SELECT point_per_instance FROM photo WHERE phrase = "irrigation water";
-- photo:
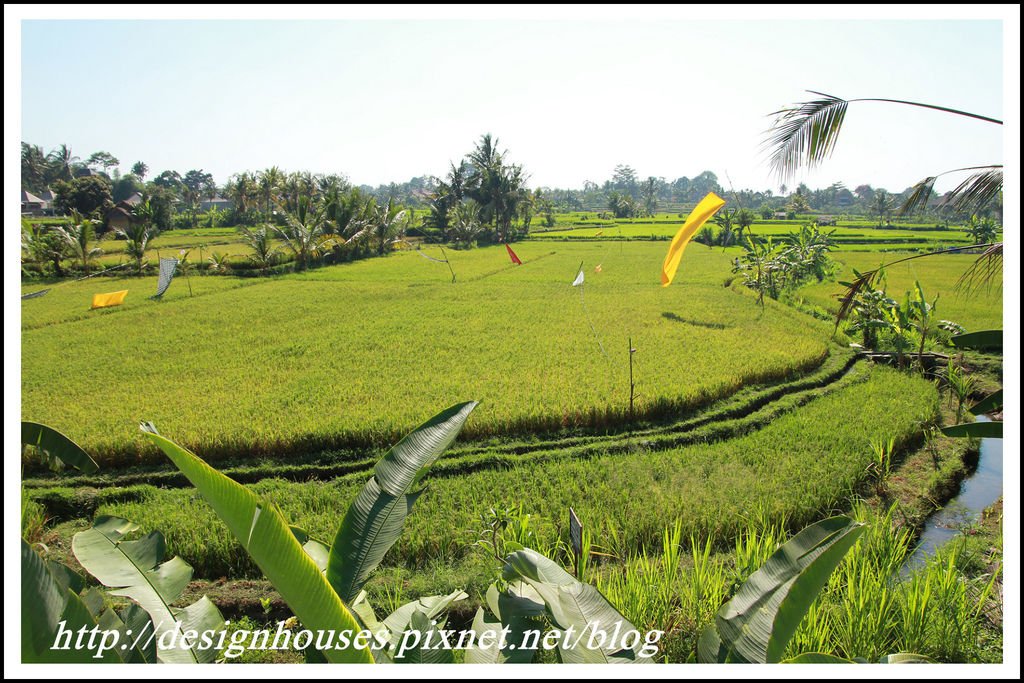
(982, 488)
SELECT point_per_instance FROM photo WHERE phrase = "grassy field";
(361, 353)
(981, 309)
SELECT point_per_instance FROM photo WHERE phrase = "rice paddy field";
(296, 384)
(852, 236)
(359, 354)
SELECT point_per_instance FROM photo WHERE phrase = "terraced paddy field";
(357, 355)
(792, 450)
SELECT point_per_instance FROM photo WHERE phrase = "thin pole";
(632, 385)
(449, 264)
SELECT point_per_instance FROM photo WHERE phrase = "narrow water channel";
(979, 490)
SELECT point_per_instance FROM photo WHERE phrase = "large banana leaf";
(262, 530)
(817, 658)
(134, 570)
(431, 606)
(993, 401)
(981, 430)
(375, 519)
(518, 609)
(991, 340)
(576, 606)
(56, 445)
(429, 648)
(130, 624)
(757, 624)
(45, 604)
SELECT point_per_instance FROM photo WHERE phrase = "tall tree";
(33, 168)
(304, 230)
(89, 195)
(882, 205)
(104, 160)
(270, 182)
(80, 238)
(140, 230)
(139, 170)
(62, 163)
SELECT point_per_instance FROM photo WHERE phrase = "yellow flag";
(700, 214)
(111, 299)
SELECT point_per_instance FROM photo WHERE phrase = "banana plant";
(760, 620)
(133, 569)
(323, 596)
(587, 628)
(56, 448)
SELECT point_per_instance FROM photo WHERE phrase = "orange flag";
(111, 299)
(512, 255)
(700, 214)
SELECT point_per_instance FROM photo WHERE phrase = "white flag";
(579, 279)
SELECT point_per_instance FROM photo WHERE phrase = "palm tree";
(80, 239)
(650, 195)
(726, 219)
(304, 230)
(240, 192)
(466, 226)
(385, 228)
(141, 229)
(882, 205)
(40, 245)
(744, 219)
(62, 163)
(269, 184)
(33, 167)
(139, 170)
(259, 240)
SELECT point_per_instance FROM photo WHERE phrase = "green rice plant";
(704, 588)
(959, 385)
(757, 540)
(864, 624)
(916, 606)
(33, 520)
(956, 610)
(816, 632)
(882, 450)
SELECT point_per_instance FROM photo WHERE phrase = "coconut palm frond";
(986, 270)
(919, 196)
(853, 289)
(922, 191)
(977, 191)
(805, 134)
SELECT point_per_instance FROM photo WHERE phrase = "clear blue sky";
(383, 101)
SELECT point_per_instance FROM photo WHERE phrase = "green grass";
(359, 354)
(980, 310)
